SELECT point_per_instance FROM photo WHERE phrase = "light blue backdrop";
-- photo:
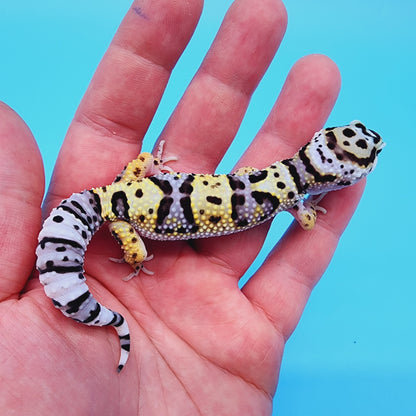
(354, 349)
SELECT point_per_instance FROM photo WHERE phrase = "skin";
(199, 344)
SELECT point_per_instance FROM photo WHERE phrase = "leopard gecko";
(150, 200)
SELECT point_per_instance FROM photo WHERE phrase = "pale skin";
(200, 345)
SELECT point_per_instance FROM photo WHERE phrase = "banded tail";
(60, 258)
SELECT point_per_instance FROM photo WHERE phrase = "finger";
(301, 109)
(210, 112)
(22, 186)
(124, 94)
(283, 284)
(303, 106)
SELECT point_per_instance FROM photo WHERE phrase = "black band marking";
(74, 305)
(163, 185)
(93, 314)
(295, 176)
(51, 267)
(235, 183)
(187, 209)
(262, 197)
(310, 169)
(57, 240)
(186, 187)
(79, 217)
(164, 209)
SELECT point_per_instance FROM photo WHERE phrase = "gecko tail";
(63, 242)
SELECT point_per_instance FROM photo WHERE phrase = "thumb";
(22, 187)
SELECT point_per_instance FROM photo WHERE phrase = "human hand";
(199, 343)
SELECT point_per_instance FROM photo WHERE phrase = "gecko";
(148, 199)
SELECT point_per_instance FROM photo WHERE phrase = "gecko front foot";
(305, 212)
(137, 270)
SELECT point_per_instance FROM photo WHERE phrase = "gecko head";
(356, 143)
(344, 155)
(356, 149)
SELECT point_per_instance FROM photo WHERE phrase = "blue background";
(354, 349)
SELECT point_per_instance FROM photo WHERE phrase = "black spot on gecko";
(139, 193)
(214, 200)
(348, 132)
(281, 185)
(214, 219)
(120, 206)
(58, 218)
(362, 144)
(331, 139)
(257, 176)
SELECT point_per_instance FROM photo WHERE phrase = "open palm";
(200, 345)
